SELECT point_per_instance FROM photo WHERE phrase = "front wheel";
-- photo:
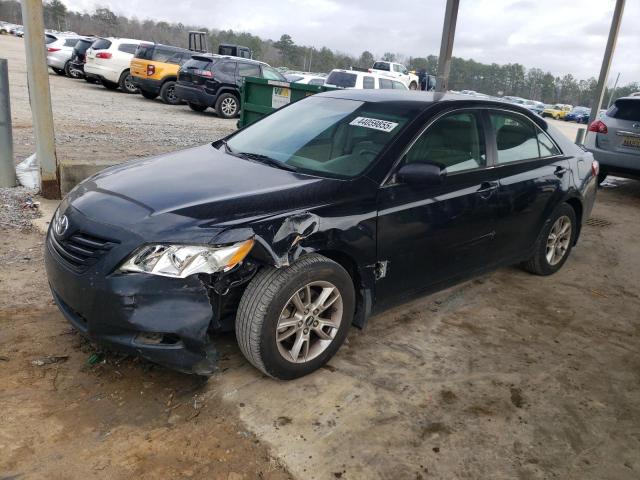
(554, 243)
(292, 320)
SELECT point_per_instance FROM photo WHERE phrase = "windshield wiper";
(266, 160)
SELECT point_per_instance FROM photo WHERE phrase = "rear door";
(434, 234)
(533, 176)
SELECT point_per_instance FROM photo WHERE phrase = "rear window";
(144, 51)
(101, 44)
(49, 38)
(197, 64)
(342, 79)
(382, 66)
(625, 110)
(83, 45)
(128, 48)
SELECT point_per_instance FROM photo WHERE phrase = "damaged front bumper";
(164, 320)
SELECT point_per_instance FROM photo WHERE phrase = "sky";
(561, 36)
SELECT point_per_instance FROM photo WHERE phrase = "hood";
(202, 186)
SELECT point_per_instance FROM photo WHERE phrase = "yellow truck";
(557, 111)
(154, 69)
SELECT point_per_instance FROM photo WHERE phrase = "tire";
(413, 86)
(58, 71)
(227, 105)
(68, 72)
(109, 85)
(539, 262)
(602, 175)
(270, 294)
(168, 93)
(197, 108)
(126, 83)
(149, 95)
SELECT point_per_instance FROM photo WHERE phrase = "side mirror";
(421, 174)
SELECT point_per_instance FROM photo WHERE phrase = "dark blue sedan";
(309, 221)
(578, 114)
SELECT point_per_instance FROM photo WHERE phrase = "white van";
(362, 80)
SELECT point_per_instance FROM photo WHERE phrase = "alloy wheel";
(309, 322)
(229, 107)
(558, 240)
(171, 94)
(129, 85)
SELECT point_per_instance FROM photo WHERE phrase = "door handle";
(486, 189)
(560, 171)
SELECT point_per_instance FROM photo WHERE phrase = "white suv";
(361, 80)
(60, 51)
(108, 59)
(398, 71)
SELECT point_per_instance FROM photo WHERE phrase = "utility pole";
(40, 97)
(446, 45)
(606, 61)
(7, 168)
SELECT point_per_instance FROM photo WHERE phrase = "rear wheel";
(197, 107)
(227, 105)
(554, 243)
(292, 320)
(126, 83)
(59, 71)
(147, 94)
(168, 93)
(71, 72)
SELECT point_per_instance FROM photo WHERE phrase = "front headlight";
(180, 261)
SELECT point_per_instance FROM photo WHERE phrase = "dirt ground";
(506, 376)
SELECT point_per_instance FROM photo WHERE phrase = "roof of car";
(211, 56)
(425, 98)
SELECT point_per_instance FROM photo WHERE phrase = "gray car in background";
(59, 51)
(614, 139)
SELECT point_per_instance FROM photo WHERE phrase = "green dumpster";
(260, 96)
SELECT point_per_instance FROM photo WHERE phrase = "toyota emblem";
(60, 224)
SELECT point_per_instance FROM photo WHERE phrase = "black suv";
(215, 80)
(75, 67)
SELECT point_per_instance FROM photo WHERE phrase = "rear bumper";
(613, 161)
(101, 73)
(164, 320)
(147, 84)
(195, 95)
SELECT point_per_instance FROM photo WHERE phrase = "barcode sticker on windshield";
(374, 123)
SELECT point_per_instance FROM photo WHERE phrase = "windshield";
(325, 136)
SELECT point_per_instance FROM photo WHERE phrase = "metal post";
(7, 168)
(613, 92)
(446, 45)
(40, 97)
(606, 61)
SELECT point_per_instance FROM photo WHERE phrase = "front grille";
(80, 250)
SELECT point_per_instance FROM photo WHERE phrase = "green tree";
(366, 59)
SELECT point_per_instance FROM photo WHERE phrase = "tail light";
(598, 127)
(52, 49)
(595, 168)
(151, 70)
(369, 70)
(203, 73)
(103, 55)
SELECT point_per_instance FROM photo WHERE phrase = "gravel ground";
(18, 208)
(91, 121)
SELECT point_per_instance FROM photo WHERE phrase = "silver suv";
(614, 139)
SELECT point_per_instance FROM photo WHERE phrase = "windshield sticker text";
(382, 125)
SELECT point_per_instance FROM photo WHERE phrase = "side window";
(368, 82)
(176, 59)
(396, 68)
(547, 147)
(227, 68)
(320, 81)
(128, 48)
(516, 138)
(398, 85)
(455, 143)
(248, 70)
(385, 83)
(272, 74)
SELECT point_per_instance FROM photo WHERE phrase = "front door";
(431, 234)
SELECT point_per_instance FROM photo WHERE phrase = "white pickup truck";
(398, 71)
